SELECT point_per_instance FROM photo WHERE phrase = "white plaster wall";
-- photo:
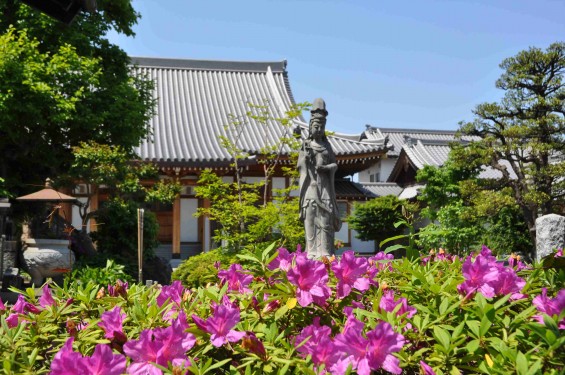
(386, 168)
(76, 220)
(278, 183)
(188, 223)
(364, 175)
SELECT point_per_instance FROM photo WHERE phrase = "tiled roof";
(435, 153)
(196, 99)
(425, 152)
(345, 189)
(381, 189)
(397, 137)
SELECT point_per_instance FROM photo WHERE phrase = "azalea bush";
(285, 313)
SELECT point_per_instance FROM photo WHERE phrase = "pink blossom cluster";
(485, 275)
(351, 348)
(310, 276)
(550, 306)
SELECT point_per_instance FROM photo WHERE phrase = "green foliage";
(451, 332)
(465, 212)
(91, 270)
(98, 164)
(3, 192)
(476, 335)
(376, 219)
(247, 214)
(64, 84)
(116, 230)
(199, 270)
(525, 129)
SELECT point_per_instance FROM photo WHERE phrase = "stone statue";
(317, 167)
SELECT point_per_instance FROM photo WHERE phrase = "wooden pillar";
(176, 228)
(93, 207)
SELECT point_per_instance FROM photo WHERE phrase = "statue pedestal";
(47, 258)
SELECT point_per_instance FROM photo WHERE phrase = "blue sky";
(406, 64)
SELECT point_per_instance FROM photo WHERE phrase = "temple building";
(197, 100)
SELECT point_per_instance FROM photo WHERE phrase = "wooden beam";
(176, 228)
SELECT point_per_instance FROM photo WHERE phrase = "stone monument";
(550, 235)
(317, 167)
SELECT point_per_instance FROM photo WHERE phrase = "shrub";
(285, 313)
(116, 222)
(200, 269)
(93, 271)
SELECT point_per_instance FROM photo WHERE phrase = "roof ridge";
(218, 65)
(404, 130)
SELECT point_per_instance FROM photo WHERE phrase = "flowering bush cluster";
(280, 312)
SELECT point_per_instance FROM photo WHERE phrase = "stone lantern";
(45, 256)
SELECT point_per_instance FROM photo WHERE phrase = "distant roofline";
(403, 130)
(216, 65)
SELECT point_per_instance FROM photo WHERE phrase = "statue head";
(318, 119)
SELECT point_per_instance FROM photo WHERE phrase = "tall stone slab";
(550, 234)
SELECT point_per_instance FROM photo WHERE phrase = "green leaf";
(485, 326)
(443, 337)
(281, 311)
(473, 345)
(521, 364)
(474, 327)
(444, 305)
(267, 251)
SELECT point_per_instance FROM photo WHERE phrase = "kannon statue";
(317, 167)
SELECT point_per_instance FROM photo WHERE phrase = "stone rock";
(47, 258)
(550, 234)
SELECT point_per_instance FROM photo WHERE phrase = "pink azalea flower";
(220, 325)
(46, 298)
(478, 275)
(236, 279)
(353, 348)
(388, 303)
(13, 320)
(550, 306)
(2, 306)
(350, 272)
(23, 307)
(66, 361)
(312, 334)
(282, 261)
(172, 293)
(111, 322)
(311, 278)
(426, 369)
(508, 282)
(381, 261)
(559, 253)
(102, 362)
(489, 277)
(382, 342)
(160, 346)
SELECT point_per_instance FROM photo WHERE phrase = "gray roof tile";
(381, 189)
(195, 102)
(397, 137)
